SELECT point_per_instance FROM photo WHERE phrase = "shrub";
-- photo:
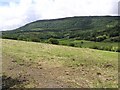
(108, 48)
(101, 48)
(118, 49)
(82, 42)
(94, 47)
(100, 38)
(35, 40)
(72, 44)
(80, 46)
(53, 41)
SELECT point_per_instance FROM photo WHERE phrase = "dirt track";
(38, 75)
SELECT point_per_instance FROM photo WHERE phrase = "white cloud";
(20, 12)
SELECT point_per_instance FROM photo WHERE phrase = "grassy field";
(107, 46)
(33, 64)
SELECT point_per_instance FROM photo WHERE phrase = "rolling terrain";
(38, 65)
(30, 60)
(91, 28)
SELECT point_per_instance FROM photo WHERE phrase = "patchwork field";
(30, 64)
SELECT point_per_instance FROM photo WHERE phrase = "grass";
(97, 68)
(90, 44)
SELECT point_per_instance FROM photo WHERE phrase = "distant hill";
(93, 28)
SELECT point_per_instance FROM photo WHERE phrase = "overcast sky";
(16, 13)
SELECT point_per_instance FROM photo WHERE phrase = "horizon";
(26, 11)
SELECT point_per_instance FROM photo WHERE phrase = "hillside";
(92, 28)
(38, 65)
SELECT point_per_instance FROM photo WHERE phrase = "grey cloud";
(119, 8)
(31, 15)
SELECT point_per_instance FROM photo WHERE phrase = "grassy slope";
(83, 28)
(94, 67)
(88, 43)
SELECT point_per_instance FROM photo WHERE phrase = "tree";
(53, 41)
(100, 38)
(72, 44)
